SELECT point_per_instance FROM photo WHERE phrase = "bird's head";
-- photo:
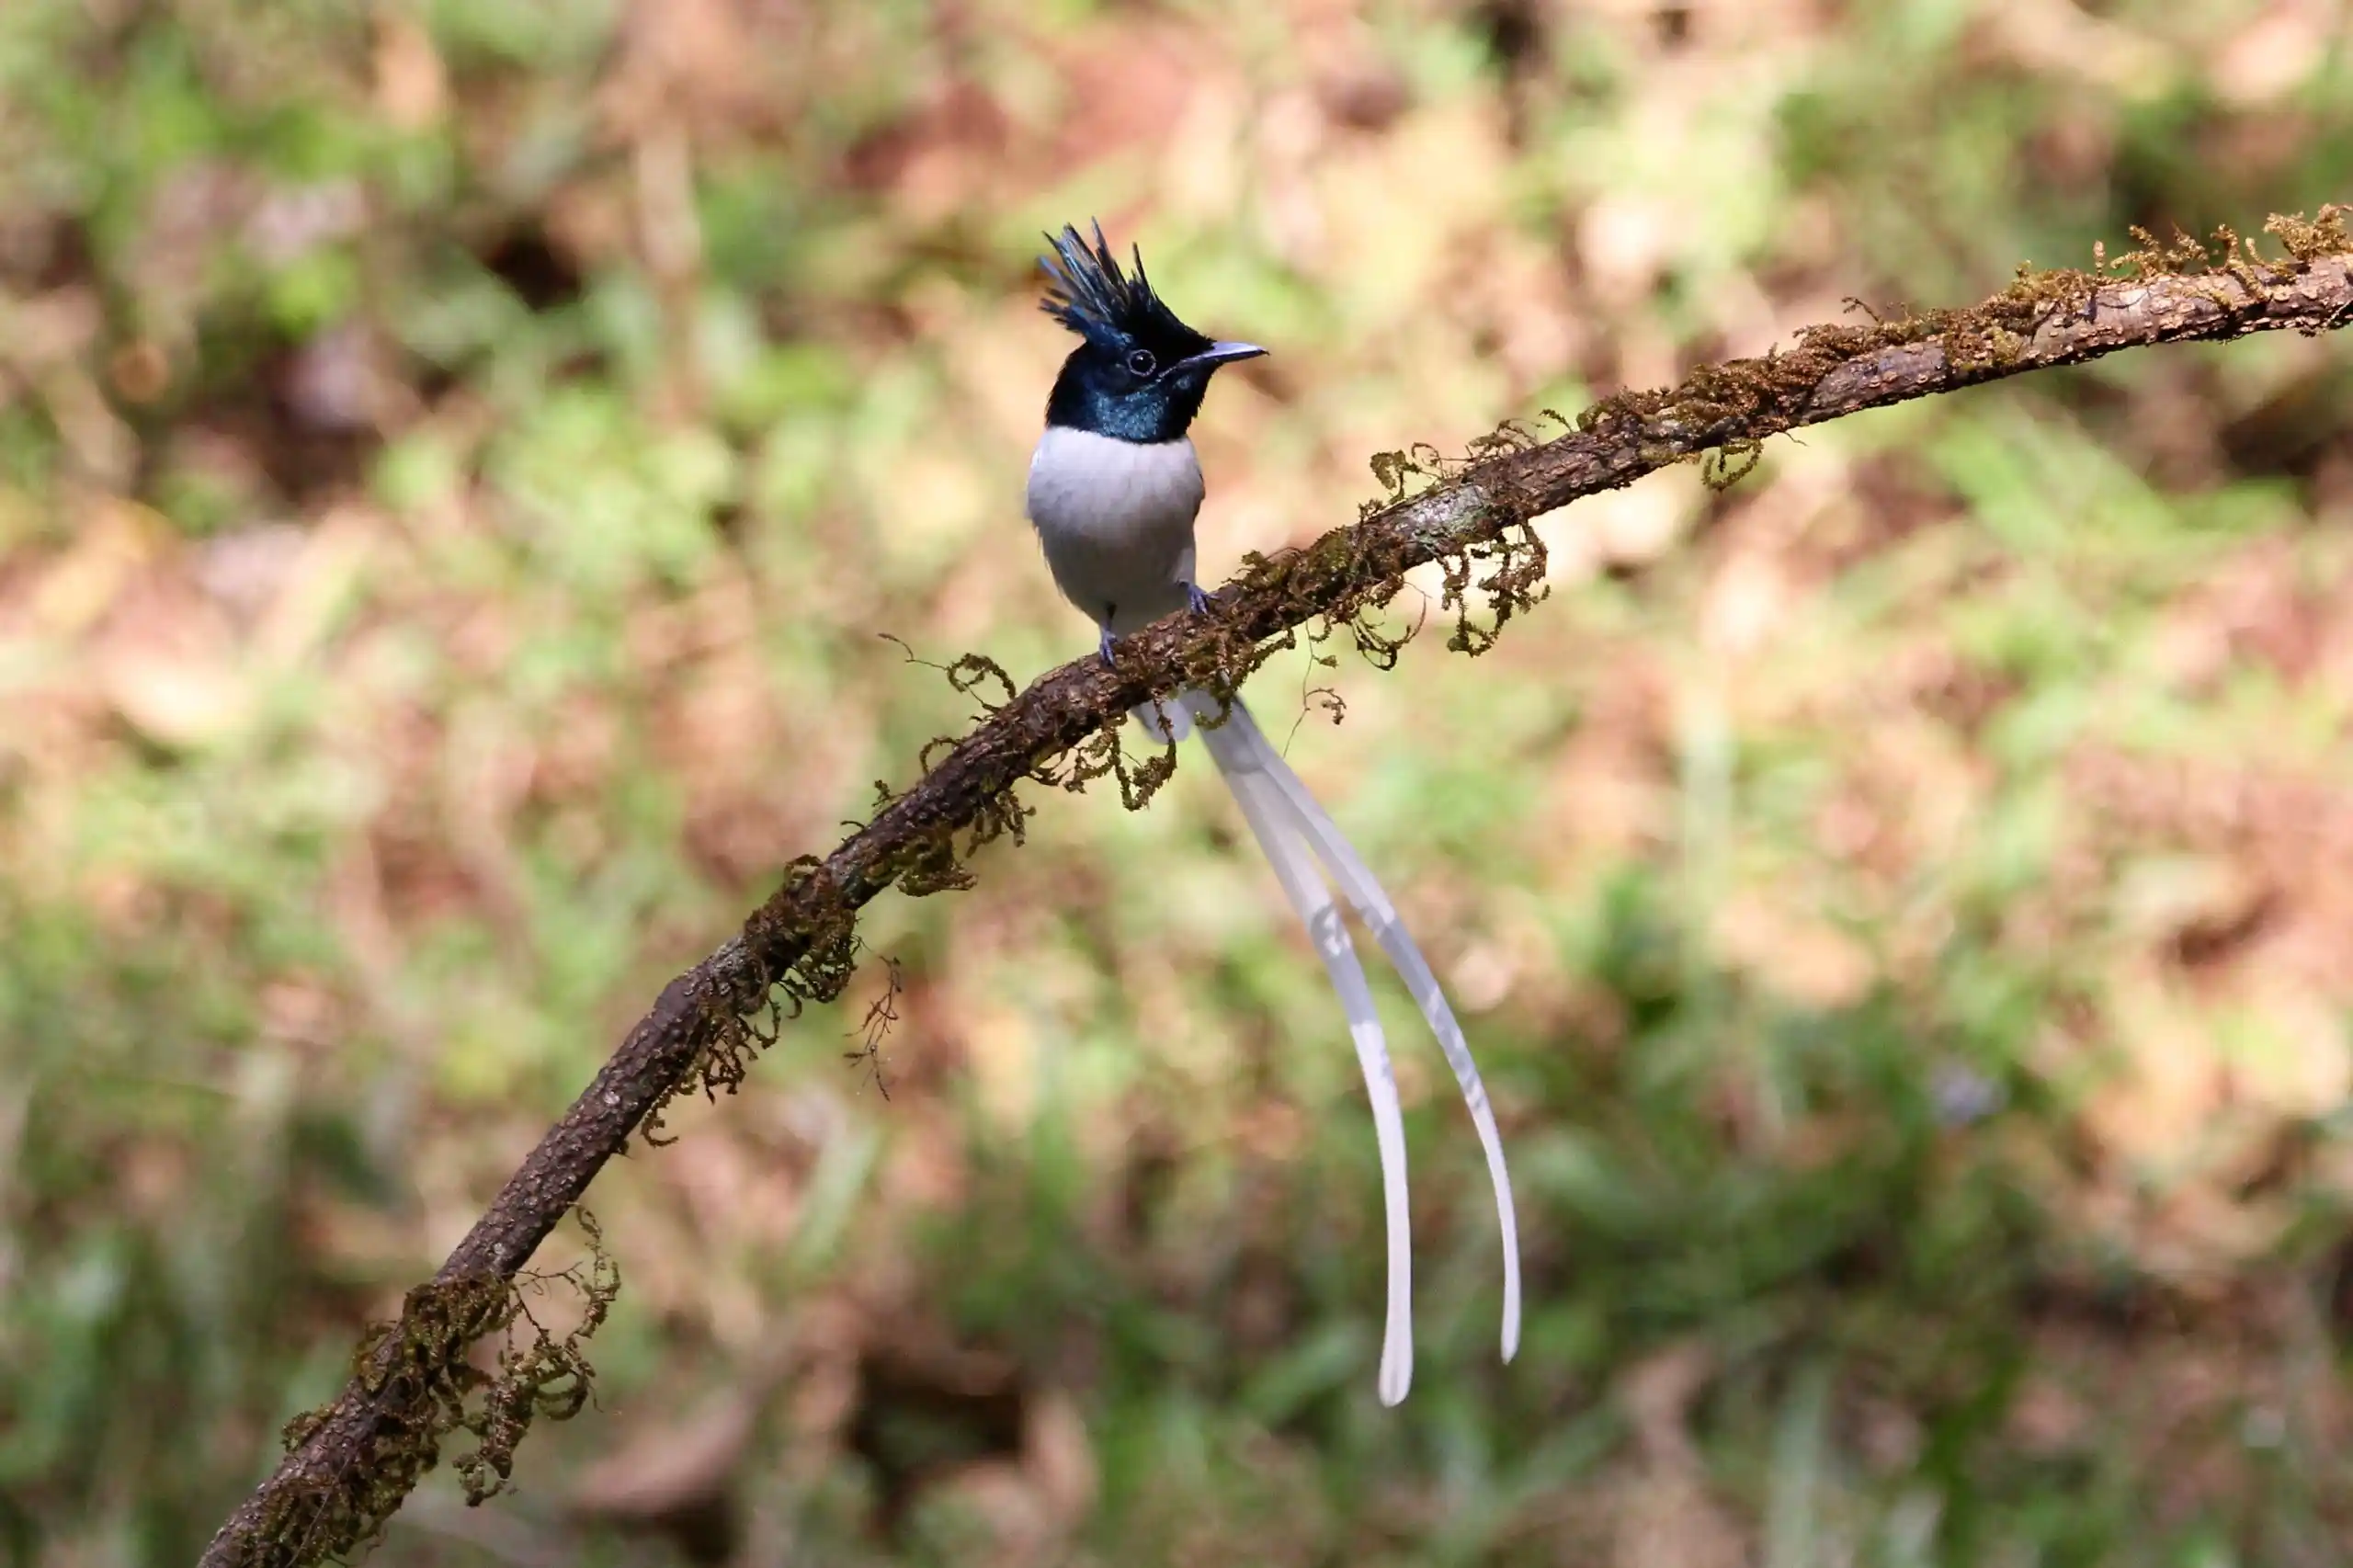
(1140, 373)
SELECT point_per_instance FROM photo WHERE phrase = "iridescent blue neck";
(1100, 398)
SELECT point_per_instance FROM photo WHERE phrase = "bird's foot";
(1199, 600)
(1104, 649)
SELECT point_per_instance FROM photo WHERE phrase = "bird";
(1114, 488)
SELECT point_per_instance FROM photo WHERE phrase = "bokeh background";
(459, 460)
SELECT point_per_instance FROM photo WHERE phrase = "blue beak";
(1216, 354)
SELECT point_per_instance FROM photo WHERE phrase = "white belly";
(1116, 521)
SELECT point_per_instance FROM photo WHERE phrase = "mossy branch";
(348, 1465)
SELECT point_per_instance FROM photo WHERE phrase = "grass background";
(458, 459)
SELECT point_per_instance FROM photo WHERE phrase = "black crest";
(1086, 292)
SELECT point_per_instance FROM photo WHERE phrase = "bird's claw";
(1197, 601)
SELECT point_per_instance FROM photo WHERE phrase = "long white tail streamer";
(1296, 833)
(1288, 852)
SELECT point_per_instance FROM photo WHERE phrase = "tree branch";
(350, 1465)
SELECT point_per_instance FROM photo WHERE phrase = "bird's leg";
(1199, 600)
(1104, 647)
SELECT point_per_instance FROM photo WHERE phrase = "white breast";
(1116, 521)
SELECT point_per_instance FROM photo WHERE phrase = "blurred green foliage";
(455, 462)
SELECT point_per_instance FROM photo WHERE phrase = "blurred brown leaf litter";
(454, 463)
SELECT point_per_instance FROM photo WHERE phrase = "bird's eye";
(1142, 363)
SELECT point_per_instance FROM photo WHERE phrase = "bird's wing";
(1242, 750)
